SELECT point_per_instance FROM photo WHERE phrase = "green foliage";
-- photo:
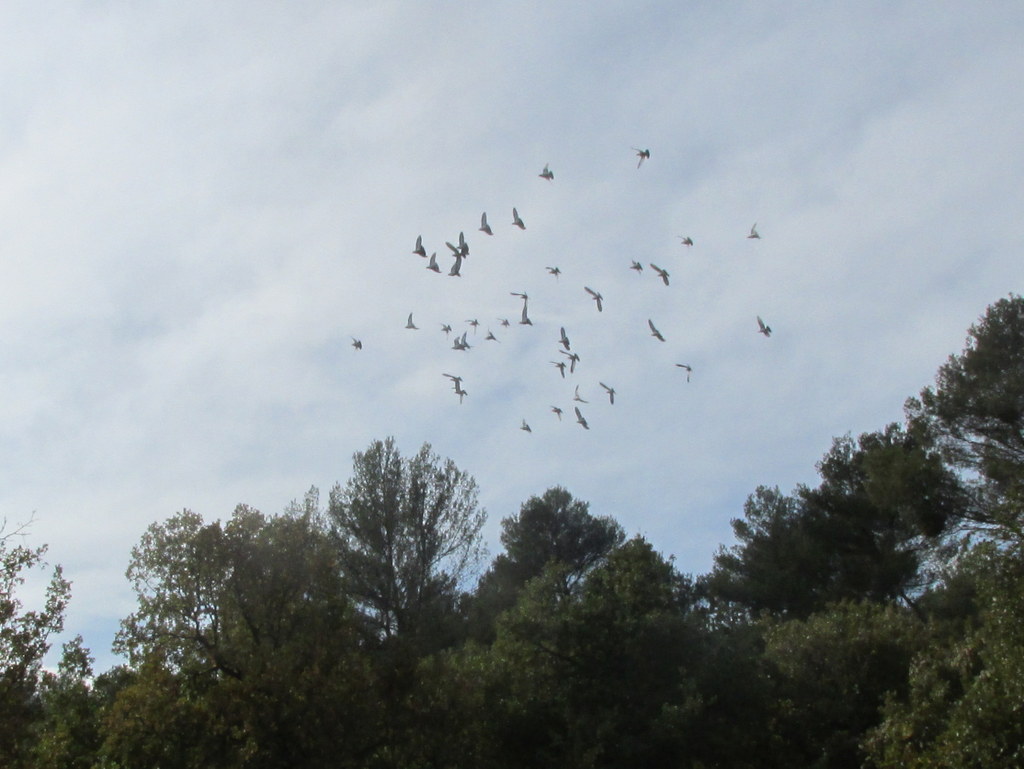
(24, 641)
(966, 702)
(553, 529)
(975, 412)
(407, 532)
(861, 534)
(69, 730)
(831, 674)
(245, 648)
(595, 677)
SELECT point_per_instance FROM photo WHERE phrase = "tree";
(597, 677)
(964, 708)
(974, 414)
(245, 649)
(407, 532)
(862, 533)
(550, 529)
(24, 641)
(777, 563)
(830, 675)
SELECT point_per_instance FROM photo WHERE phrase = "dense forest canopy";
(875, 619)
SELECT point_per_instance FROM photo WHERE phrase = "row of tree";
(876, 619)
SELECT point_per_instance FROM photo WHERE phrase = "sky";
(201, 205)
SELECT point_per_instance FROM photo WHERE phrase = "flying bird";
(525, 427)
(762, 328)
(504, 322)
(560, 364)
(687, 240)
(576, 396)
(610, 391)
(564, 341)
(357, 343)
(663, 274)
(457, 381)
(557, 412)
(688, 368)
(432, 265)
(484, 226)
(491, 337)
(596, 296)
(546, 173)
(753, 232)
(463, 245)
(654, 332)
(446, 329)
(420, 250)
(580, 419)
(461, 343)
(410, 324)
(574, 358)
(642, 154)
(456, 270)
(525, 321)
(637, 266)
(474, 323)
(554, 271)
(516, 220)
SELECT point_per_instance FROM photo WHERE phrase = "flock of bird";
(460, 252)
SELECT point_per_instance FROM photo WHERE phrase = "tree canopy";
(24, 640)
(874, 619)
(407, 531)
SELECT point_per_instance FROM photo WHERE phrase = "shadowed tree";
(407, 531)
(550, 529)
(245, 649)
(597, 677)
(964, 707)
(974, 414)
(862, 533)
(68, 735)
(830, 675)
(24, 641)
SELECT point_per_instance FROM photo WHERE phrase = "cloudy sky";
(202, 204)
